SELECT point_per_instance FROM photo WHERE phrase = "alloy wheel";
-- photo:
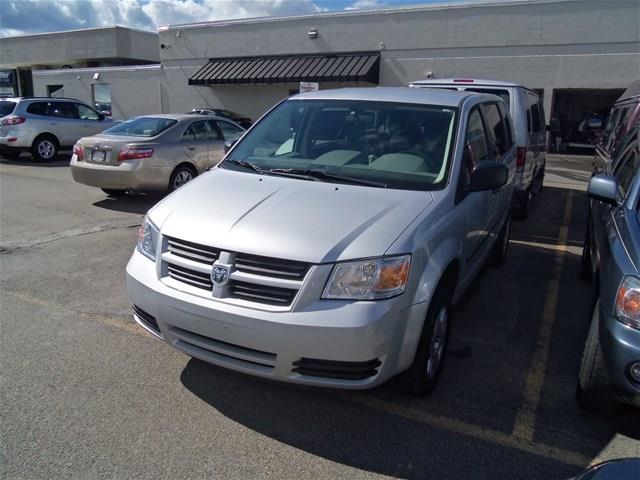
(438, 342)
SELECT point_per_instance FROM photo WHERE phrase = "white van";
(527, 112)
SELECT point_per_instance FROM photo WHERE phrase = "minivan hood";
(288, 218)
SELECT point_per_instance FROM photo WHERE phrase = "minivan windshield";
(141, 127)
(382, 144)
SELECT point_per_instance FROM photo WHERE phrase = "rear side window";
(38, 108)
(198, 131)
(496, 129)
(6, 107)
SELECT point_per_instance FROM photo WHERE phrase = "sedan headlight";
(147, 239)
(371, 279)
(627, 308)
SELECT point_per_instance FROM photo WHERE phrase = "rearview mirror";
(488, 175)
(603, 188)
(229, 144)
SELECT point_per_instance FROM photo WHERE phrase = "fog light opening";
(634, 371)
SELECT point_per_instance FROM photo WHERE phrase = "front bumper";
(271, 344)
(620, 348)
(129, 175)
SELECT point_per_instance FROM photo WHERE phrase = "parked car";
(328, 247)
(610, 367)
(44, 125)
(154, 152)
(624, 114)
(221, 112)
(527, 112)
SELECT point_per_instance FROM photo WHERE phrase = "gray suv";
(43, 125)
(330, 244)
(610, 367)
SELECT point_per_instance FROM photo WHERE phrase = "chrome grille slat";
(263, 280)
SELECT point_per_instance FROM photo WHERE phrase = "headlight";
(627, 308)
(368, 279)
(147, 239)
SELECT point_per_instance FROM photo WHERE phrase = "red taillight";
(134, 153)
(13, 120)
(463, 80)
(521, 156)
(78, 151)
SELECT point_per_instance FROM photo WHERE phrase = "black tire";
(112, 192)
(540, 180)
(501, 247)
(422, 376)
(586, 270)
(45, 148)
(523, 204)
(181, 175)
(593, 391)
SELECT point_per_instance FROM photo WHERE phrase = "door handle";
(191, 148)
(53, 123)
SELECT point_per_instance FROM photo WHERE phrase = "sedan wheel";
(181, 176)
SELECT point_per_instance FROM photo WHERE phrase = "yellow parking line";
(470, 430)
(550, 246)
(524, 425)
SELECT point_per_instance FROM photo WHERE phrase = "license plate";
(98, 156)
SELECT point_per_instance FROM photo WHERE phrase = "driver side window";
(475, 143)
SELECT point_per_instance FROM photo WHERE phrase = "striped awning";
(343, 68)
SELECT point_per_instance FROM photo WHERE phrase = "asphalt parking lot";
(87, 394)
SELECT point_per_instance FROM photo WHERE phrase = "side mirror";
(488, 175)
(603, 188)
(228, 144)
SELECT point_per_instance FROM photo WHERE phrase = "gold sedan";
(152, 153)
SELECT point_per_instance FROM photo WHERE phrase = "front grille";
(223, 351)
(314, 367)
(271, 267)
(253, 278)
(146, 318)
(193, 251)
(261, 293)
(191, 277)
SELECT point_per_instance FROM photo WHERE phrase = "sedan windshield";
(141, 127)
(382, 144)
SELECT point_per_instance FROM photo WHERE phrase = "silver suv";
(44, 125)
(329, 245)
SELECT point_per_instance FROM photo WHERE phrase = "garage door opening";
(578, 117)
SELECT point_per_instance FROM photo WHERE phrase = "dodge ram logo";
(220, 275)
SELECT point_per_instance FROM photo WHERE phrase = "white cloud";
(366, 5)
(35, 16)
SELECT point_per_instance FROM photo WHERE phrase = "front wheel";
(593, 391)
(499, 250)
(586, 271)
(523, 204)
(423, 374)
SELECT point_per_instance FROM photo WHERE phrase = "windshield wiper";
(245, 164)
(322, 175)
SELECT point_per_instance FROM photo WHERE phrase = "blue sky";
(19, 17)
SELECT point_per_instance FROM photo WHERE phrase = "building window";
(102, 97)
(55, 90)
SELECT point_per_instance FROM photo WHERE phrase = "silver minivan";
(330, 244)
(527, 112)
